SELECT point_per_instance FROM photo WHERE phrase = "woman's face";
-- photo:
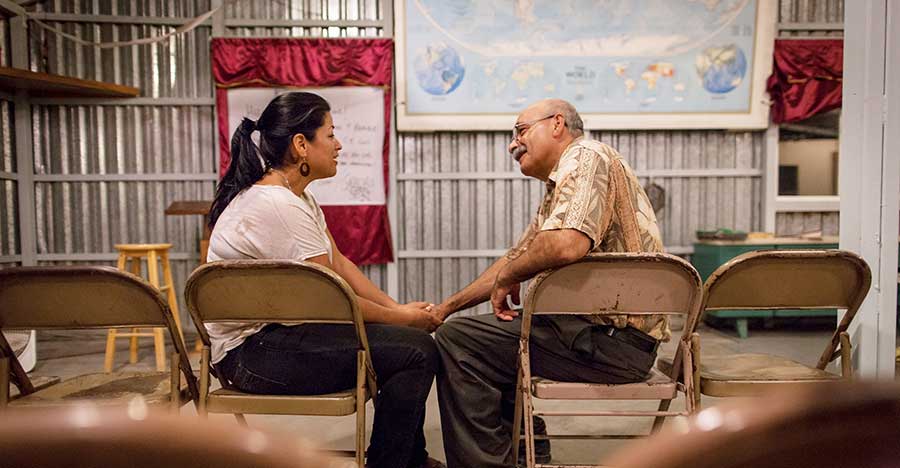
(322, 152)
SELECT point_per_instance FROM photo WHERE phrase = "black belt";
(634, 337)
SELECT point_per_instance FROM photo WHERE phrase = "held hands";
(420, 315)
(498, 300)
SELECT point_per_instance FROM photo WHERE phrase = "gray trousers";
(477, 380)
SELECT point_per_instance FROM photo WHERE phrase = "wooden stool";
(154, 253)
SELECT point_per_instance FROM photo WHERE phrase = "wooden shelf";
(47, 85)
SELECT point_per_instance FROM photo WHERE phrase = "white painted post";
(870, 173)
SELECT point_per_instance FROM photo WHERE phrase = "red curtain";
(806, 78)
(362, 233)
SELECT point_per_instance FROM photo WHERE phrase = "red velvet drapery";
(362, 233)
(806, 78)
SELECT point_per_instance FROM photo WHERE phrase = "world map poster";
(475, 64)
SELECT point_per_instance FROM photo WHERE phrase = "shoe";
(541, 446)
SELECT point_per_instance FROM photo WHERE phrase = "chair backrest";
(792, 279)
(283, 291)
(85, 436)
(839, 425)
(620, 283)
(79, 297)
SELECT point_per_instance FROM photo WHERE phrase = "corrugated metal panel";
(792, 224)
(7, 154)
(332, 10)
(178, 67)
(4, 42)
(491, 214)
(90, 217)
(328, 10)
(9, 230)
(123, 139)
(168, 8)
(811, 11)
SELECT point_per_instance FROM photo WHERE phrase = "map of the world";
(612, 56)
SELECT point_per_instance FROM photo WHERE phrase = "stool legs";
(133, 342)
(154, 256)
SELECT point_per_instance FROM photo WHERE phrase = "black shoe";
(541, 446)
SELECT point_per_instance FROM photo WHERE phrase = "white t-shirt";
(264, 222)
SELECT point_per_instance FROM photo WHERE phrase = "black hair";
(284, 117)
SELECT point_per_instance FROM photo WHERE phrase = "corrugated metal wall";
(443, 204)
(9, 229)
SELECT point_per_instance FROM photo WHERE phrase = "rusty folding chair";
(282, 291)
(610, 284)
(82, 298)
(783, 279)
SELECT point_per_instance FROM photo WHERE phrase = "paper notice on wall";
(358, 114)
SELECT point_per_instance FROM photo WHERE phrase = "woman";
(263, 210)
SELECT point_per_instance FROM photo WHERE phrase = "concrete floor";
(71, 353)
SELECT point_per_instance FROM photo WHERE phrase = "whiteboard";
(358, 114)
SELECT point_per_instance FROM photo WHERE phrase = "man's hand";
(420, 315)
(498, 300)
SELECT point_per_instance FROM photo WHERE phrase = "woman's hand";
(419, 315)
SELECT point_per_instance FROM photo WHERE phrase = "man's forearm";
(550, 249)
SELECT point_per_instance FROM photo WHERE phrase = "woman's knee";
(414, 347)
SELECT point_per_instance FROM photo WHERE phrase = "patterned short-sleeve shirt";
(578, 192)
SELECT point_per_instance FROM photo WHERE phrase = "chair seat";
(752, 374)
(105, 390)
(332, 404)
(657, 387)
(141, 247)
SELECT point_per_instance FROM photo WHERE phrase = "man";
(580, 214)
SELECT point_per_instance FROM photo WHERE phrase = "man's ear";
(559, 125)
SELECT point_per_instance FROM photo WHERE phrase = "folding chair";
(282, 291)
(783, 279)
(850, 424)
(82, 298)
(610, 284)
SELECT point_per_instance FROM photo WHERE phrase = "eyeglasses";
(520, 129)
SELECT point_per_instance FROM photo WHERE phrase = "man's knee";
(448, 335)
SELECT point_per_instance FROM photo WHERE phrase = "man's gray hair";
(573, 120)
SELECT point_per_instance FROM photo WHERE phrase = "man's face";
(532, 141)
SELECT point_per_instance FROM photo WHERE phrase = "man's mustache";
(519, 151)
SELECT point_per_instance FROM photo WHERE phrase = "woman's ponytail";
(244, 170)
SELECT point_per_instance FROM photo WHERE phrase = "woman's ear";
(299, 146)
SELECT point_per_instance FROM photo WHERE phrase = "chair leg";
(659, 420)
(241, 419)
(110, 350)
(695, 366)
(360, 408)
(175, 384)
(204, 383)
(517, 418)
(4, 382)
(527, 408)
(846, 359)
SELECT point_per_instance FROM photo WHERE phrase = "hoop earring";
(304, 169)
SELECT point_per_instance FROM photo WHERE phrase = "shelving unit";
(49, 85)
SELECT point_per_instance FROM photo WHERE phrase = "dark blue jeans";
(313, 359)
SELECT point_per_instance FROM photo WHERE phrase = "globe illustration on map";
(439, 69)
(721, 68)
